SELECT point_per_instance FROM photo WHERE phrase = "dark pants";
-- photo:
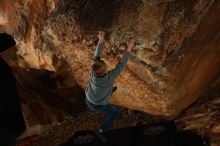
(112, 112)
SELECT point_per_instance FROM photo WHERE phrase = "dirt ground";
(87, 120)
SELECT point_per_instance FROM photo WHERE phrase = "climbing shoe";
(101, 135)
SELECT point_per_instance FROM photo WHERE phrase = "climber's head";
(99, 67)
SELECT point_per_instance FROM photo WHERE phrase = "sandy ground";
(88, 120)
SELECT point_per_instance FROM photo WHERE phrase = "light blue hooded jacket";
(100, 89)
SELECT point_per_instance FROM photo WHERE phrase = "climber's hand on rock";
(101, 36)
(130, 44)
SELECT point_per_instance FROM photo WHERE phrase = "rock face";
(175, 61)
(203, 116)
(47, 97)
(165, 73)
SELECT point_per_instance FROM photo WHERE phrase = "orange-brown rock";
(181, 60)
(176, 58)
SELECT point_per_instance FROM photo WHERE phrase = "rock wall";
(24, 20)
(48, 90)
(203, 116)
(198, 70)
(176, 58)
(167, 38)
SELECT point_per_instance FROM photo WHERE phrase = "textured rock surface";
(168, 37)
(203, 116)
(48, 97)
(45, 102)
(24, 19)
(176, 58)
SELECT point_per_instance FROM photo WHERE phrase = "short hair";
(6, 42)
(99, 66)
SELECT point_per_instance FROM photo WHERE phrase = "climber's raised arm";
(99, 46)
(121, 65)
